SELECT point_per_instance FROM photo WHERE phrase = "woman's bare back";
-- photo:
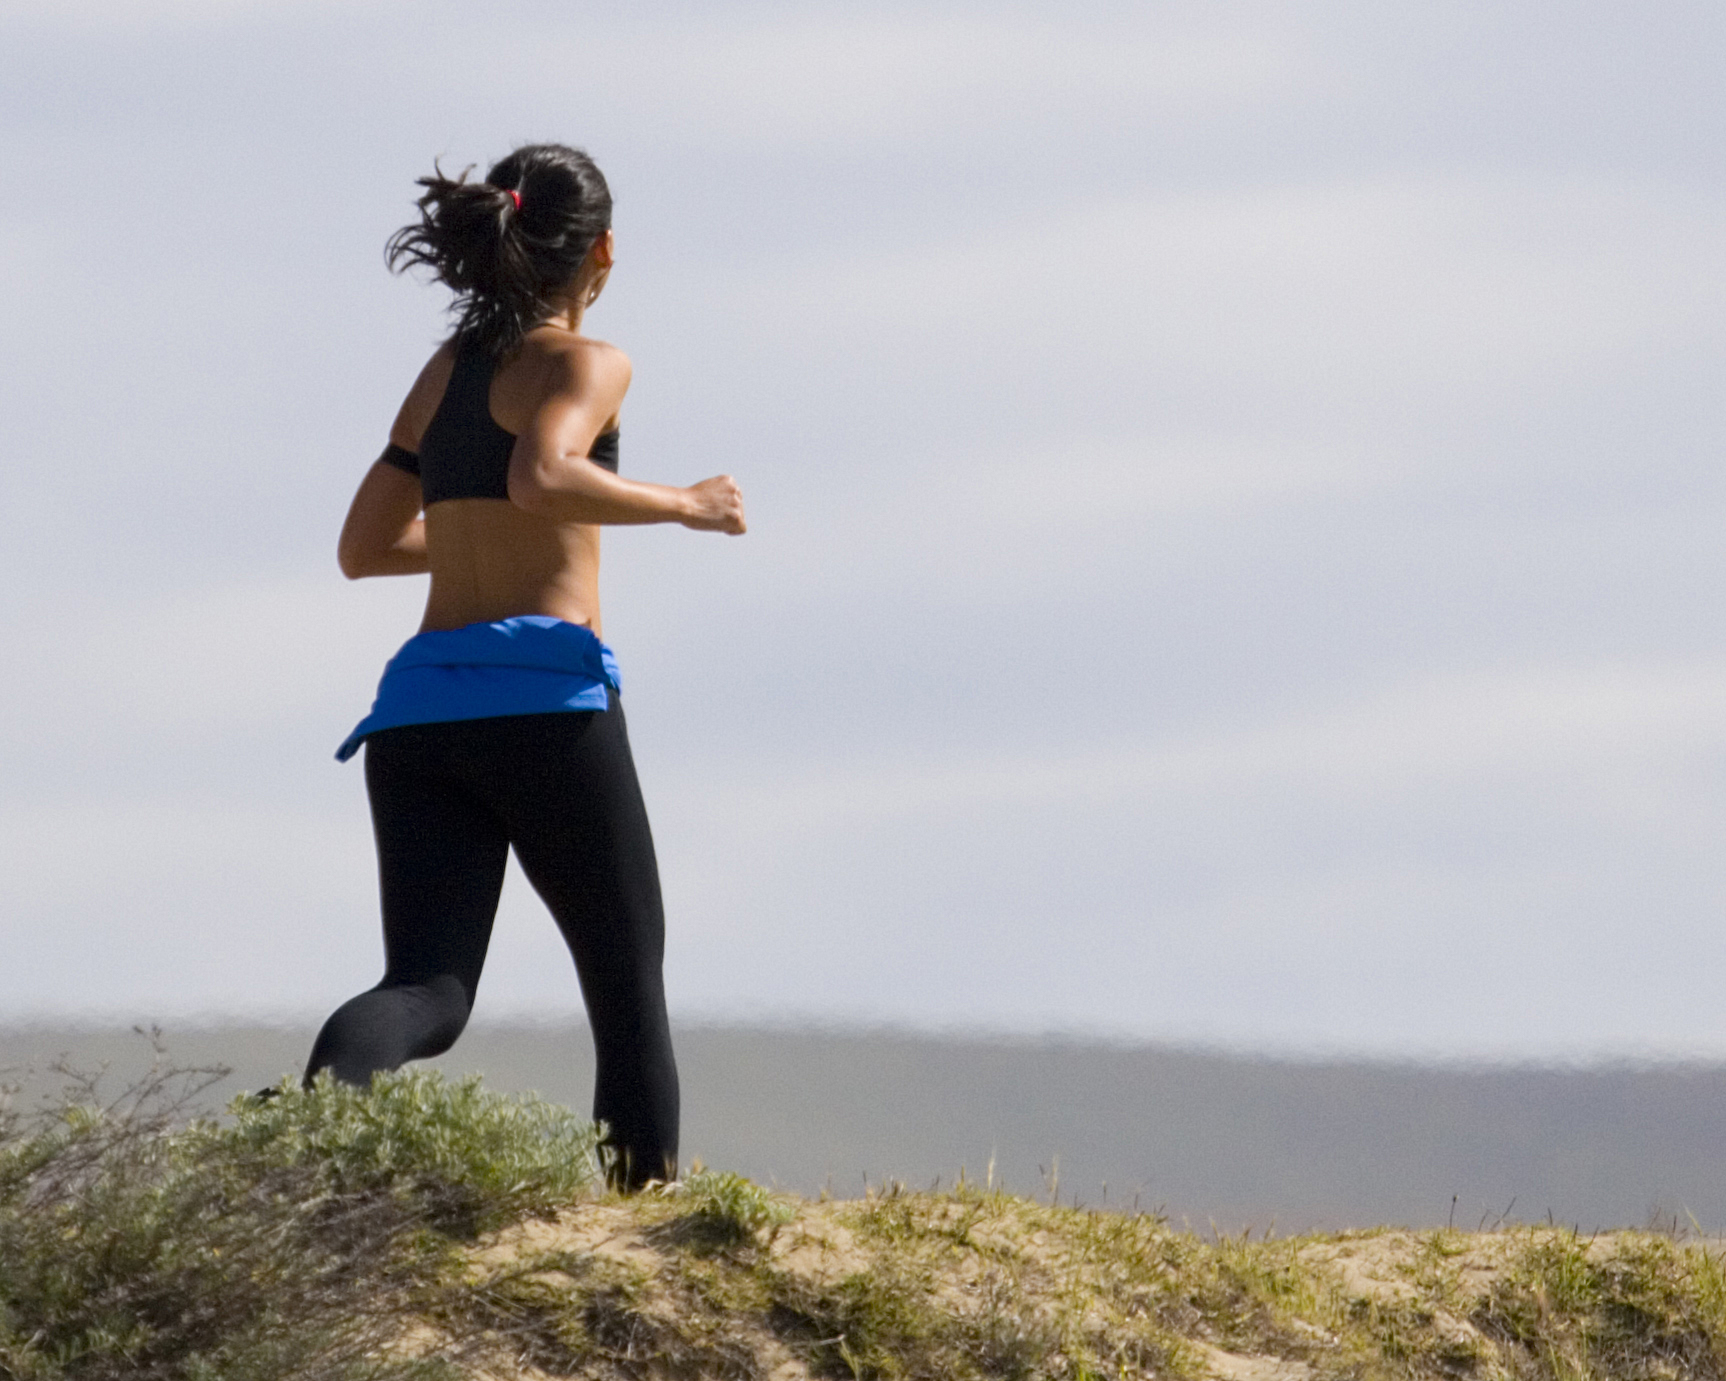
(489, 558)
(533, 549)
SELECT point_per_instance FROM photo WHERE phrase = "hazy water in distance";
(1208, 1138)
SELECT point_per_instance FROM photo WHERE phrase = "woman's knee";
(388, 1025)
(440, 1009)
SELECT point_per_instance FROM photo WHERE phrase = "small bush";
(730, 1208)
(469, 1159)
(294, 1242)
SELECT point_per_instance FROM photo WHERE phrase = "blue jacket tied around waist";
(531, 664)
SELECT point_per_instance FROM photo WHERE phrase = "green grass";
(427, 1229)
(728, 1210)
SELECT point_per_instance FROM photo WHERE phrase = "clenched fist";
(715, 505)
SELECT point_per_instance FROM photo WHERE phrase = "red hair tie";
(514, 196)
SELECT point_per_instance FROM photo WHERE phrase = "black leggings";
(448, 802)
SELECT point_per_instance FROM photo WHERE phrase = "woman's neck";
(567, 318)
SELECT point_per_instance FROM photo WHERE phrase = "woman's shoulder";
(553, 344)
(565, 361)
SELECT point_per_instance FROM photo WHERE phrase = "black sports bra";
(464, 454)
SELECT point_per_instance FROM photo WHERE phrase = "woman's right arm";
(550, 475)
(384, 533)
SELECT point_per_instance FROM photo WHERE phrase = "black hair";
(507, 246)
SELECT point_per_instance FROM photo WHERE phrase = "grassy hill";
(431, 1229)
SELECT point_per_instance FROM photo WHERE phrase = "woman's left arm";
(384, 533)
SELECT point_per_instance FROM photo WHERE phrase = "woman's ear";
(604, 249)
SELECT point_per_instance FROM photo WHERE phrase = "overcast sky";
(1235, 501)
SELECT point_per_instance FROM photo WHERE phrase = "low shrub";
(467, 1159)
(294, 1240)
(730, 1209)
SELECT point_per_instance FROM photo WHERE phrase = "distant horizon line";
(1603, 1059)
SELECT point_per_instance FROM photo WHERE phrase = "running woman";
(500, 725)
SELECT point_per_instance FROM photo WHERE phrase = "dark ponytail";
(509, 245)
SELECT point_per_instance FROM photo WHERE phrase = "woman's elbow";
(528, 492)
(351, 560)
